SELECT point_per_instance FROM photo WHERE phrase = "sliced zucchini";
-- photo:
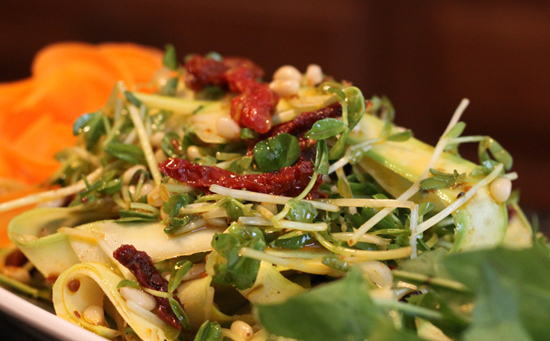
(480, 223)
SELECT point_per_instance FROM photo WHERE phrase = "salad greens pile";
(335, 224)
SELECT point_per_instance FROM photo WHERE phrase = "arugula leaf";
(341, 310)
(276, 152)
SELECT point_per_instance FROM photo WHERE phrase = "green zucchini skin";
(480, 223)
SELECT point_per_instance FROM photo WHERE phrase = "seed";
(377, 272)
(228, 128)
(73, 285)
(287, 72)
(193, 153)
(242, 329)
(500, 189)
(95, 315)
(314, 74)
(285, 87)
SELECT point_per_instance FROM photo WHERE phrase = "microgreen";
(172, 145)
(301, 211)
(325, 128)
(127, 152)
(209, 331)
(441, 180)
(237, 270)
(91, 126)
(276, 152)
(169, 60)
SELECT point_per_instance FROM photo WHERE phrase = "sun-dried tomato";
(204, 71)
(289, 181)
(254, 104)
(299, 126)
(143, 268)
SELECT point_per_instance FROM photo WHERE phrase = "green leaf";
(241, 165)
(169, 60)
(341, 310)
(180, 313)
(512, 290)
(295, 241)
(247, 133)
(325, 128)
(336, 262)
(136, 216)
(400, 137)
(91, 125)
(301, 211)
(276, 152)
(133, 99)
(339, 146)
(500, 154)
(237, 270)
(126, 152)
(177, 275)
(456, 130)
(127, 283)
(209, 331)
(234, 209)
(356, 105)
(171, 87)
(321, 158)
(172, 145)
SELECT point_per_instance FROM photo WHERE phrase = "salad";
(209, 204)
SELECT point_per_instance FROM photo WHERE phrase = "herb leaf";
(356, 105)
(330, 312)
(237, 270)
(325, 128)
(169, 60)
(276, 152)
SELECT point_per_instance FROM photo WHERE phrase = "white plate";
(43, 320)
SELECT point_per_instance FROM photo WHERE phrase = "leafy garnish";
(237, 270)
(442, 180)
(277, 152)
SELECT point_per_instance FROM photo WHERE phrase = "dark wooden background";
(425, 55)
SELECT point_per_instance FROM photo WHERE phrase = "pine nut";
(500, 189)
(314, 74)
(242, 329)
(95, 315)
(228, 128)
(377, 272)
(156, 139)
(285, 87)
(139, 297)
(287, 72)
(193, 153)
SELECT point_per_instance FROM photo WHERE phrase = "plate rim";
(41, 319)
